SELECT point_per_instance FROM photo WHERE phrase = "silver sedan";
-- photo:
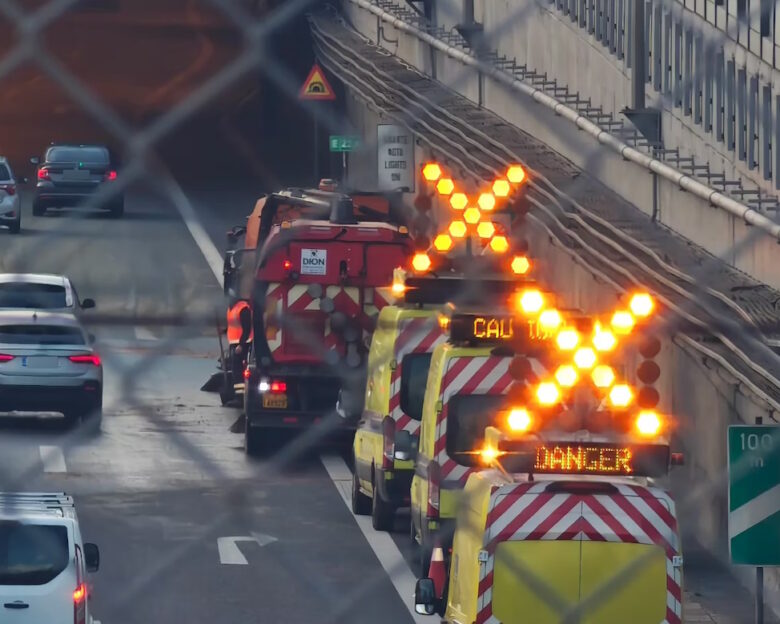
(47, 364)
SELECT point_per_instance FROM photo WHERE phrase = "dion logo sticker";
(314, 261)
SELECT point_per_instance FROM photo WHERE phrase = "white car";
(43, 560)
(10, 205)
(40, 291)
(47, 364)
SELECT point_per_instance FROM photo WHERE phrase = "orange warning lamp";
(547, 393)
(515, 174)
(641, 305)
(458, 201)
(648, 424)
(499, 244)
(622, 322)
(603, 376)
(519, 419)
(585, 358)
(530, 301)
(603, 339)
(445, 186)
(443, 242)
(567, 339)
(501, 188)
(621, 395)
(486, 229)
(550, 320)
(458, 229)
(487, 201)
(520, 265)
(431, 172)
(421, 262)
(566, 376)
(471, 215)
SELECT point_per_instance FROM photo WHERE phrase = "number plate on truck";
(277, 401)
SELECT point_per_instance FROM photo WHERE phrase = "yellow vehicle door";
(610, 555)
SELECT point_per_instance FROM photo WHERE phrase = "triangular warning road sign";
(316, 86)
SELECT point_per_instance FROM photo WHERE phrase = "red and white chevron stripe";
(274, 297)
(635, 514)
(470, 375)
(416, 335)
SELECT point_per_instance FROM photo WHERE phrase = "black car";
(68, 175)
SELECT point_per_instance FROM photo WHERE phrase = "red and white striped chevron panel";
(416, 335)
(467, 376)
(635, 514)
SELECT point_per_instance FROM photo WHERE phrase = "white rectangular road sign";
(314, 261)
(395, 158)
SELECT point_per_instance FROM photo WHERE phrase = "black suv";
(69, 174)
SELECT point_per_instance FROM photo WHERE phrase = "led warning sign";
(489, 328)
(582, 459)
(316, 86)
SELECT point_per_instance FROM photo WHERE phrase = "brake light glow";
(5, 357)
(287, 265)
(43, 174)
(278, 386)
(80, 593)
(110, 175)
(91, 358)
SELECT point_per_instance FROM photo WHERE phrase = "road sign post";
(343, 144)
(754, 500)
(316, 88)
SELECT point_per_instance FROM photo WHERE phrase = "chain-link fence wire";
(142, 165)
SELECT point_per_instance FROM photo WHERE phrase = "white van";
(43, 560)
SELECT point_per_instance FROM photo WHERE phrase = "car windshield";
(414, 375)
(32, 554)
(40, 335)
(38, 296)
(92, 155)
(5, 174)
(467, 417)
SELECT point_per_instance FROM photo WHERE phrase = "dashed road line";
(52, 459)
(142, 333)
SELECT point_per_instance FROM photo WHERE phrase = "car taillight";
(9, 188)
(85, 359)
(43, 174)
(80, 593)
(110, 175)
(278, 386)
(388, 437)
(6, 358)
(434, 478)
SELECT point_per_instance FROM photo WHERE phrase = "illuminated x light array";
(473, 215)
(582, 363)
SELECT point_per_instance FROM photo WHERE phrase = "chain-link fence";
(559, 211)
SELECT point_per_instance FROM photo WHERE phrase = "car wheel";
(38, 208)
(361, 504)
(16, 226)
(382, 512)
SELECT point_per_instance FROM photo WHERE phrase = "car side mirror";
(91, 557)
(35, 160)
(404, 445)
(425, 597)
(88, 303)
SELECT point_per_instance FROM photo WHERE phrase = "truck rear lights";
(110, 176)
(5, 357)
(287, 264)
(278, 387)
(90, 358)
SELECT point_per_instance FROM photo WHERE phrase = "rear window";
(41, 335)
(38, 296)
(5, 173)
(32, 554)
(467, 417)
(414, 375)
(93, 155)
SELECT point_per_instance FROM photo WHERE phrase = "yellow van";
(469, 380)
(552, 549)
(386, 436)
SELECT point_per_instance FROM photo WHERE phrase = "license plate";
(39, 362)
(276, 401)
(76, 174)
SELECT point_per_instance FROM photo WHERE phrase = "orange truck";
(314, 269)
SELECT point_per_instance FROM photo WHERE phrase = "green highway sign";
(754, 494)
(340, 143)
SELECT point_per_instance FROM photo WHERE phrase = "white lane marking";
(230, 553)
(141, 333)
(381, 543)
(754, 511)
(52, 458)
